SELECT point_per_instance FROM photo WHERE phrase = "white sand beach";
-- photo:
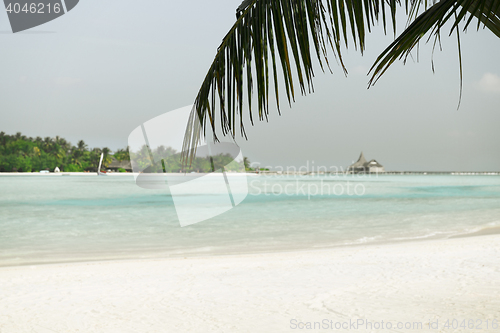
(436, 280)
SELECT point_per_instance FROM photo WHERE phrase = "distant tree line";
(19, 153)
(26, 154)
(169, 160)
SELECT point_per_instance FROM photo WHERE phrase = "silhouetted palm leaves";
(279, 39)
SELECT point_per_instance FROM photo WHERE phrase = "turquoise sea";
(59, 219)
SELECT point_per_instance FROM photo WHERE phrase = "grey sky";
(108, 66)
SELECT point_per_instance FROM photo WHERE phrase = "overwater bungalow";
(362, 166)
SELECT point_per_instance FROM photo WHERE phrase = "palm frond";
(273, 39)
(432, 21)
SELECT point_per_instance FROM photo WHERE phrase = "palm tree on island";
(284, 34)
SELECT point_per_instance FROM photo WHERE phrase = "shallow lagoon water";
(57, 219)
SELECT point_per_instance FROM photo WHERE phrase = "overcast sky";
(104, 68)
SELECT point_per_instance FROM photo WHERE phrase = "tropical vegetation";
(26, 154)
(169, 160)
(19, 153)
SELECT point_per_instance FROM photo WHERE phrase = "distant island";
(19, 153)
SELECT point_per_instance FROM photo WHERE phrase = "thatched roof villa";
(362, 165)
